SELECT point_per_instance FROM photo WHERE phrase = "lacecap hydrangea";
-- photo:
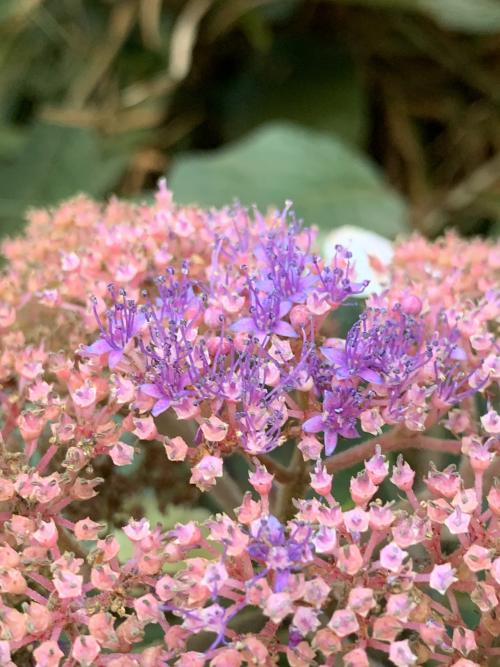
(215, 343)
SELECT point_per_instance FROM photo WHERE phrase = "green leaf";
(330, 183)
(55, 162)
(477, 16)
(174, 515)
(472, 16)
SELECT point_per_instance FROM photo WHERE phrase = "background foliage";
(383, 113)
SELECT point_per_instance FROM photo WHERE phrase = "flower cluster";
(211, 340)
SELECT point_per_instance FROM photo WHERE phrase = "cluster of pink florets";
(214, 335)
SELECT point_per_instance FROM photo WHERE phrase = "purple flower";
(278, 549)
(284, 265)
(381, 349)
(341, 409)
(266, 316)
(335, 281)
(123, 321)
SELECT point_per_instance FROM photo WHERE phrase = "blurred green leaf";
(473, 16)
(330, 183)
(55, 162)
(301, 80)
(169, 519)
(464, 15)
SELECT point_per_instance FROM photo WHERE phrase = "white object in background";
(363, 244)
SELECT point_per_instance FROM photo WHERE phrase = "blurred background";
(378, 113)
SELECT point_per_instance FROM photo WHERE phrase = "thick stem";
(293, 489)
(227, 494)
(391, 441)
(280, 472)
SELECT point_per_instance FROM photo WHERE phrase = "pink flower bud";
(31, 425)
(123, 390)
(464, 640)
(477, 558)
(343, 622)
(326, 641)
(85, 396)
(137, 530)
(278, 606)
(377, 467)
(261, 480)
(356, 520)
(212, 317)
(47, 534)
(356, 658)
(445, 483)
(491, 422)
(321, 481)
(203, 474)
(362, 488)
(442, 577)
(458, 522)
(191, 659)
(101, 627)
(214, 429)
(121, 454)
(12, 581)
(310, 447)
(48, 654)
(166, 587)
(147, 608)
(325, 540)
(484, 597)
(495, 570)
(400, 605)
(402, 475)
(68, 584)
(108, 548)
(227, 658)
(175, 448)
(361, 600)
(86, 529)
(316, 592)
(7, 489)
(39, 618)
(9, 557)
(187, 535)
(300, 316)
(411, 304)
(401, 655)
(103, 577)
(349, 559)
(85, 650)
(144, 428)
(372, 422)
(392, 557)
(387, 628)
(380, 516)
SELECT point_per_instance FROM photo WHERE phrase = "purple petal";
(151, 390)
(285, 307)
(160, 406)
(370, 376)
(244, 325)
(285, 329)
(100, 346)
(265, 285)
(114, 358)
(335, 355)
(458, 354)
(330, 442)
(313, 424)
